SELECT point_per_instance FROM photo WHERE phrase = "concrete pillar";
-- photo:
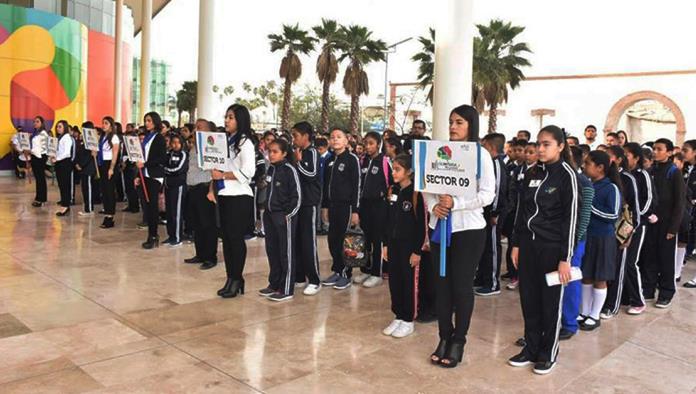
(454, 49)
(145, 40)
(206, 30)
(118, 60)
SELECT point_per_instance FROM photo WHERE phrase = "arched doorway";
(626, 102)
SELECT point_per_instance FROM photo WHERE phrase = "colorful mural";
(47, 63)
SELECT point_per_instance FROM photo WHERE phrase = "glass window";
(52, 6)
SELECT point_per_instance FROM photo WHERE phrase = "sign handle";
(443, 246)
(142, 182)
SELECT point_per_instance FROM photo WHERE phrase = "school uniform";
(306, 240)
(616, 286)
(130, 173)
(659, 256)
(105, 155)
(572, 294)
(599, 262)
(324, 160)
(201, 211)
(65, 155)
(39, 152)
(280, 223)
(515, 182)
(236, 205)
(119, 178)
(488, 274)
(341, 198)
(404, 235)
(468, 236)
(87, 172)
(174, 193)
(376, 179)
(155, 152)
(545, 227)
(690, 184)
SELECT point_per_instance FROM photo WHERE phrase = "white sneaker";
(360, 278)
(405, 329)
(83, 213)
(311, 289)
(372, 281)
(300, 284)
(392, 327)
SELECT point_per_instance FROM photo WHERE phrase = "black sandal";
(439, 352)
(453, 356)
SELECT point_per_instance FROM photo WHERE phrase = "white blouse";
(243, 166)
(107, 153)
(66, 148)
(39, 144)
(468, 214)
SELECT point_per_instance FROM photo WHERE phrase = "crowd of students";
(620, 213)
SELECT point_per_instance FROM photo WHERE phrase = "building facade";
(159, 89)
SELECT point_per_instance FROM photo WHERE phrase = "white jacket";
(468, 214)
(243, 166)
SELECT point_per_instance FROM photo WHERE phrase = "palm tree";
(330, 35)
(292, 40)
(497, 62)
(186, 99)
(360, 49)
(426, 60)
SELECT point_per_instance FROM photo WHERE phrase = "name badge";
(535, 183)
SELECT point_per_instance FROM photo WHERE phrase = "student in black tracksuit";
(488, 275)
(630, 194)
(129, 174)
(155, 152)
(404, 236)
(307, 164)
(515, 168)
(633, 289)
(342, 188)
(65, 155)
(376, 179)
(175, 190)
(659, 261)
(543, 242)
(280, 222)
(84, 163)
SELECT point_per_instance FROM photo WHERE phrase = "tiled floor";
(84, 309)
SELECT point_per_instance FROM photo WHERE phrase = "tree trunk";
(287, 96)
(178, 121)
(325, 102)
(492, 118)
(354, 113)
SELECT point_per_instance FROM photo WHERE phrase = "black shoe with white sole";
(590, 324)
(543, 367)
(520, 360)
(266, 292)
(565, 334)
(280, 297)
(662, 303)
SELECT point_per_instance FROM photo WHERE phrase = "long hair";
(241, 115)
(635, 149)
(471, 116)
(66, 127)
(284, 147)
(156, 120)
(610, 170)
(619, 154)
(560, 137)
(112, 130)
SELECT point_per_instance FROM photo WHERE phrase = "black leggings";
(152, 206)
(64, 174)
(108, 189)
(38, 167)
(455, 292)
(236, 215)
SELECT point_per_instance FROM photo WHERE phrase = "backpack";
(624, 226)
(354, 249)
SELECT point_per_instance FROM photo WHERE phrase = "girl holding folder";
(465, 237)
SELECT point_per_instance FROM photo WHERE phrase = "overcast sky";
(567, 37)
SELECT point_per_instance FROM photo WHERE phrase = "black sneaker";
(142, 226)
(662, 303)
(193, 260)
(520, 360)
(426, 318)
(208, 265)
(266, 292)
(506, 276)
(690, 284)
(543, 367)
(565, 334)
(521, 342)
(590, 324)
(280, 297)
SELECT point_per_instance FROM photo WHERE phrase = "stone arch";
(627, 101)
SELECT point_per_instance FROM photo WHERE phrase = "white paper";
(552, 278)
(91, 138)
(444, 167)
(134, 149)
(211, 150)
(51, 146)
(24, 140)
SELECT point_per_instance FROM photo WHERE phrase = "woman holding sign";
(230, 189)
(542, 242)
(65, 154)
(39, 155)
(465, 236)
(107, 158)
(155, 152)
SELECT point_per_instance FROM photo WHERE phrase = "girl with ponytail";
(599, 262)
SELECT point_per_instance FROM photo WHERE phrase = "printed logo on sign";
(444, 153)
(211, 140)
